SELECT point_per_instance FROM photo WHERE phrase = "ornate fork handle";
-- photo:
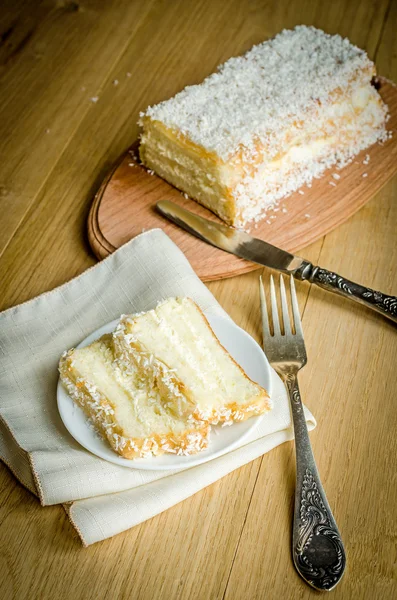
(386, 305)
(318, 551)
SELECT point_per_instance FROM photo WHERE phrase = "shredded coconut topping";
(255, 97)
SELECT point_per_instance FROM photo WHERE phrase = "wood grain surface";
(232, 540)
(125, 205)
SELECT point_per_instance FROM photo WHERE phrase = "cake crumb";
(128, 74)
(307, 216)
(47, 130)
(94, 99)
(284, 209)
(365, 174)
(301, 192)
(116, 82)
(335, 175)
(332, 183)
(366, 159)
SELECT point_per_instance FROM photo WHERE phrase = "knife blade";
(231, 240)
(241, 244)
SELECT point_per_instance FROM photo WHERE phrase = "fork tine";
(265, 318)
(284, 307)
(295, 308)
(276, 324)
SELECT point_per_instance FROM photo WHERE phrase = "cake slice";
(175, 348)
(124, 408)
(266, 123)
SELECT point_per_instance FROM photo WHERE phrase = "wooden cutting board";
(124, 205)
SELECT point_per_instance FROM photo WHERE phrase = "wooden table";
(232, 540)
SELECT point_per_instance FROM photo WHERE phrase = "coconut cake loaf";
(266, 123)
(175, 348)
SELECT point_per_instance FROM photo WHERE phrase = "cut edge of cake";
(100, 411)
(180, 400)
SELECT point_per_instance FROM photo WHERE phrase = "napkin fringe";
(5, 461)
(38, 491)
(15, 474)
(68, 510)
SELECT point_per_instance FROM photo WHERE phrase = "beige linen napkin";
(101, 498)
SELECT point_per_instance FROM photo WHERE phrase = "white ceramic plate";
(222, 439)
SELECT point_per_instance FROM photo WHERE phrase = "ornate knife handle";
(386, 305)
(317, 548)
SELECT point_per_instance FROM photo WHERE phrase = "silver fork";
(317, 548)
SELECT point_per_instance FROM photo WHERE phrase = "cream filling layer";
(182, 341)
(137, 409)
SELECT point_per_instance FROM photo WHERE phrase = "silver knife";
(243, 245)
